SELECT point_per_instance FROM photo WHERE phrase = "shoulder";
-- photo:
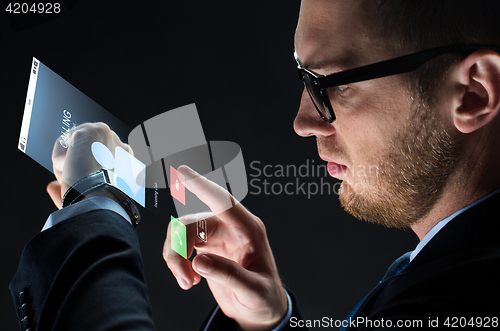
(464, 284)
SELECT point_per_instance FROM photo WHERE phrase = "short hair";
(408, 26)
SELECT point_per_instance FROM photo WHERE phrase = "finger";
(63, 146)
(220, 201)
(192, 221)
(59, 156)
(127, 148)
(102, 132)
(98, 132)
(54, 191)
(255, 296)
(228, 274)
(181, 268)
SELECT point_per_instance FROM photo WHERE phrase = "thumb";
(54, 191)
(224, 272)
(58, 158)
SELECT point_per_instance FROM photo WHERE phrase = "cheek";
(364, 140)
(368, 133)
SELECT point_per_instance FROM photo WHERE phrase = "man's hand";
(236, 260)
(75, 162)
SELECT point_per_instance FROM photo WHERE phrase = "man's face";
(391, 151)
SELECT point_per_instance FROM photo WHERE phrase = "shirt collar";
(442, 223)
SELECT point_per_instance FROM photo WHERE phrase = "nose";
(308, 122)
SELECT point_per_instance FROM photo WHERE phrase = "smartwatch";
(101, 180)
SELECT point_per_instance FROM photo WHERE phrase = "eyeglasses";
(316, 85)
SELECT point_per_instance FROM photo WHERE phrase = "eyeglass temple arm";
(396, 66)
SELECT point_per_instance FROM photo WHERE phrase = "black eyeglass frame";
(399, 65)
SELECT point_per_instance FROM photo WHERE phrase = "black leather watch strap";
(96, 181)
(84, 186)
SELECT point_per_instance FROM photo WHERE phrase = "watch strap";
(96, 181)
(84, 186)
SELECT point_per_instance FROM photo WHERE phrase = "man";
(433, 135)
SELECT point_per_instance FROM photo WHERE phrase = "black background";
(234, 60)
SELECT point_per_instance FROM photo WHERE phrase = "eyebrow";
(318, 65)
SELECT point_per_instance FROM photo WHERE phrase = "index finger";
(213, 195)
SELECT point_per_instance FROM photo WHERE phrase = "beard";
(410, 177)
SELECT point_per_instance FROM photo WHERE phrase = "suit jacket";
(84, 273)
(454, 278)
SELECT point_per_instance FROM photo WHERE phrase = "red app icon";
(176, 185)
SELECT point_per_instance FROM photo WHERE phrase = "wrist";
(102, 192)
(281, 312)
(99, 184)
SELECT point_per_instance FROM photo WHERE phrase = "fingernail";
(192, 170)
(182, 283)
(204, 264)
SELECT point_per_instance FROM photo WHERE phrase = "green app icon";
(178, 240)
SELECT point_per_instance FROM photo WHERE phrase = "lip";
(325, 158)
(335, 169)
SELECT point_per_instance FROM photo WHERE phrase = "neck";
(448, 204)
(475, 177)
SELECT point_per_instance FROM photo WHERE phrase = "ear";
(479, 92)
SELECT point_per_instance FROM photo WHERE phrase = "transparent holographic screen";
(52, 95)
(49, 101)
(175, 138)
